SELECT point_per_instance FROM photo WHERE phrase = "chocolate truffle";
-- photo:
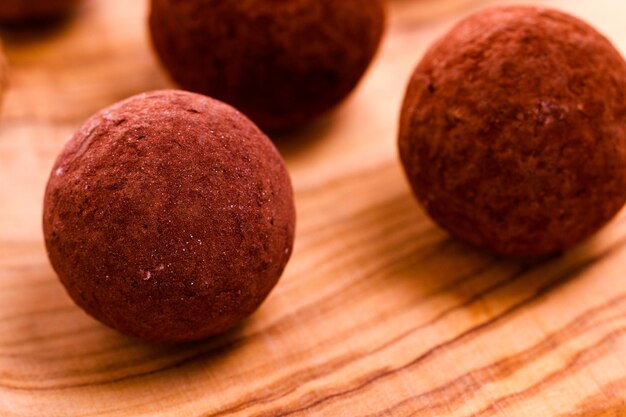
(21, 11)
(282, 63)
(169, 216)
(4, 77)
(513, 131)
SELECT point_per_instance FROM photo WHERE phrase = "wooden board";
(379, 313)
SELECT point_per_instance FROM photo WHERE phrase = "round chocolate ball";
(283, 63)
(513, 131)
(169, 216)
(21, 11)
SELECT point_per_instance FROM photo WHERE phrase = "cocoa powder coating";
(169, 216)
(513, 131)
(24, 11)
(281, 62)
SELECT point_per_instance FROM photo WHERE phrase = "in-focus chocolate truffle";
(22, 11)
(281, 62)
(513, 131)
(169, 216)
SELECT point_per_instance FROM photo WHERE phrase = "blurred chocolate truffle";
(4, 74)
(26, 11)
(169, 216)
(283, 63)
(513, 131)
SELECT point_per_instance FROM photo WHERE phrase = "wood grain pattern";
(379, 313)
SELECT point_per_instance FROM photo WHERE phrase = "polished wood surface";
(379, 313)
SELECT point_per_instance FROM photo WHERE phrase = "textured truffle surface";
(281, 62)
(169, 216)
(19, 11)
(513, 131)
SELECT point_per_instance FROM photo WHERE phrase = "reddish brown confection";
(281, 62)
(169, 216)
(4, 74)
(20, 11)
(513, 131)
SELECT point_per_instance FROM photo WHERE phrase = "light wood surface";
(379, 313)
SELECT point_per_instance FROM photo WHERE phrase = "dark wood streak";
(215, 349)
(391, 312)
(288, 382)
(616, 409)
(154, 353)
(466, 386)
(583, 358)
(56, 356)
(609, 402)
(470, 334)
(286, 385)
(389, 343)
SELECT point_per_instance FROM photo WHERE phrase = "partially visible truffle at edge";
(282, 63)
(4, 74)
(513, 131)
(29, 11)
(169, 216)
